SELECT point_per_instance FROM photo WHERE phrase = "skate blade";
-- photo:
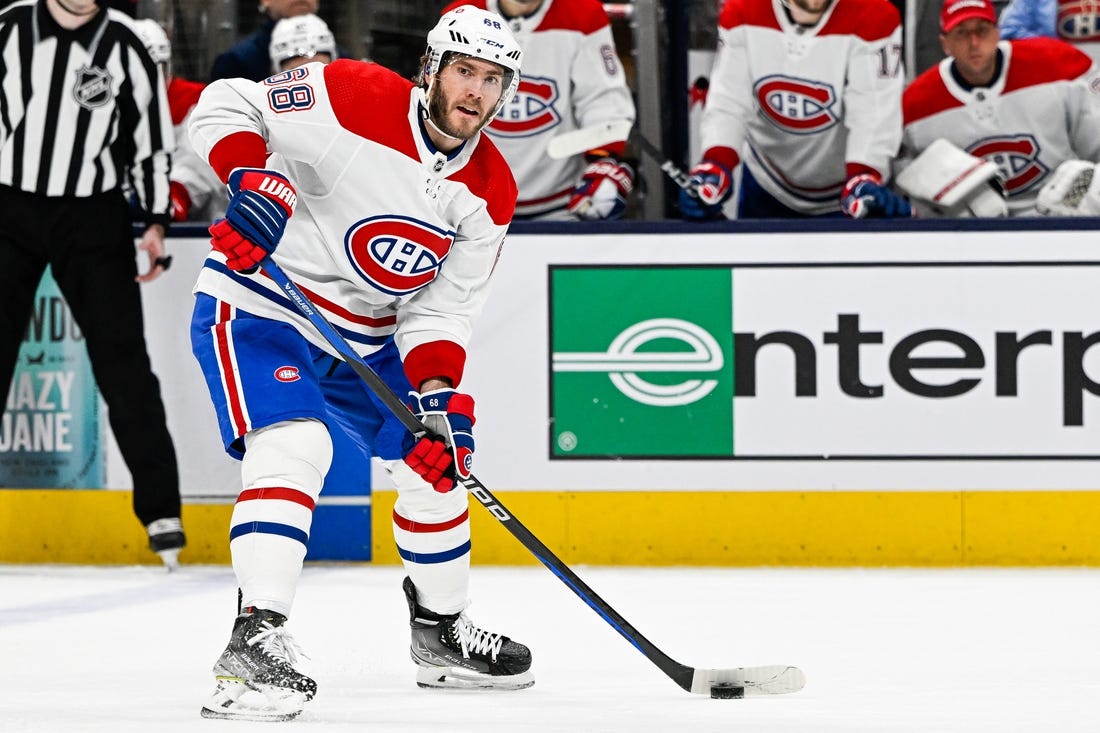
(233, 699)
(171, 559)
(457, 678)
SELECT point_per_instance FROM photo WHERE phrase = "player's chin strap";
(426, 115)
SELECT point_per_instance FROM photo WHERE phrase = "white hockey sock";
(432, 531)
(282, 471)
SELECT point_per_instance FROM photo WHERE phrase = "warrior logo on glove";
(260, 203)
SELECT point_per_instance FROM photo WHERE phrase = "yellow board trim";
(734, 529)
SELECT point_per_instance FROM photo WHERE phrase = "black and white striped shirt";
(80, 108)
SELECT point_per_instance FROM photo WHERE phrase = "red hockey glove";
(181, 200)
(260, 203)
(605, 185)
(449, 415)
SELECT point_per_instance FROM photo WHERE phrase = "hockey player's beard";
(437, 112)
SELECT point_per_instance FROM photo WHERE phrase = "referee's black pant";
(89, 245)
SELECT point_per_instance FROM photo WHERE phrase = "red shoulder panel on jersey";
(372, 102)
(926, 96)
(748, 12)
(182, 96)
(489, 178)
(583, 16)
(1044, 60)
(871, 20)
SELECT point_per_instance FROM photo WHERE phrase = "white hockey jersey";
(805, 108)
(572, 78)
(389, 237)
(203, 193)
(1043, 109)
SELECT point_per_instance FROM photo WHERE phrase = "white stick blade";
(575, 142)
(776, 679)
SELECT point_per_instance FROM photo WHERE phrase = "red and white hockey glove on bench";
(712, 184)
(605, 185)
(449, 416)
(260, 203)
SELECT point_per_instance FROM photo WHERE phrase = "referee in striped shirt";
(83, 110)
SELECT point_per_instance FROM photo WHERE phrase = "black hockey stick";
(734, 682)
(575, 142)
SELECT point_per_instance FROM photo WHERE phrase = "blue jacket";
(1029, 18)
(248, 58)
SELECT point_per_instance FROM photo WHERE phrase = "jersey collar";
(86, 35)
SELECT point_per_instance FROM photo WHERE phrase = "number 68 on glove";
(449, 450)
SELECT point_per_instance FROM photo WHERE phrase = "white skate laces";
(472, 640)
(276, 642)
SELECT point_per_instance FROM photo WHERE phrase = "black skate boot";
(451, 652)
(166, 539)
(260, 659)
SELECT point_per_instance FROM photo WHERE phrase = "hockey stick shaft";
(681, 674)
(575, 142)
(673, 171)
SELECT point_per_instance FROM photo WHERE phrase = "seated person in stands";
(195, 189)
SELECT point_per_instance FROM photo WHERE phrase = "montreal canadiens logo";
(530, 111)
(800, 106)
(397, 254)
(287, 374)
(1017, 156)
(1079, 21)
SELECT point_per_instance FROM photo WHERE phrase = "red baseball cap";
(956, 11)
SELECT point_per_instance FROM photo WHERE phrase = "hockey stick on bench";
(734, 682)
(575, 142)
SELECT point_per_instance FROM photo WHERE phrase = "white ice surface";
(973, 651)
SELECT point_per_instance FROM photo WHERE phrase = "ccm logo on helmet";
(397, 254)
(530, 111)
(800, 106)
(1018, 158)
(287, 374)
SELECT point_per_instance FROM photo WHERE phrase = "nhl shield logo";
(93, 87)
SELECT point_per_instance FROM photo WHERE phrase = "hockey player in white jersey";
(1026, 105)
(195, 189)
(572, 78)
(400, 206)
(806, 94)
(300, 39)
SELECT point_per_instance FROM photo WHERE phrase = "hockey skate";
(450, 652)
(166, 538)
(256, 675)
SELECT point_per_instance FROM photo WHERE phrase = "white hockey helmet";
(471, 31)
(155, 40)
(300, 35)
